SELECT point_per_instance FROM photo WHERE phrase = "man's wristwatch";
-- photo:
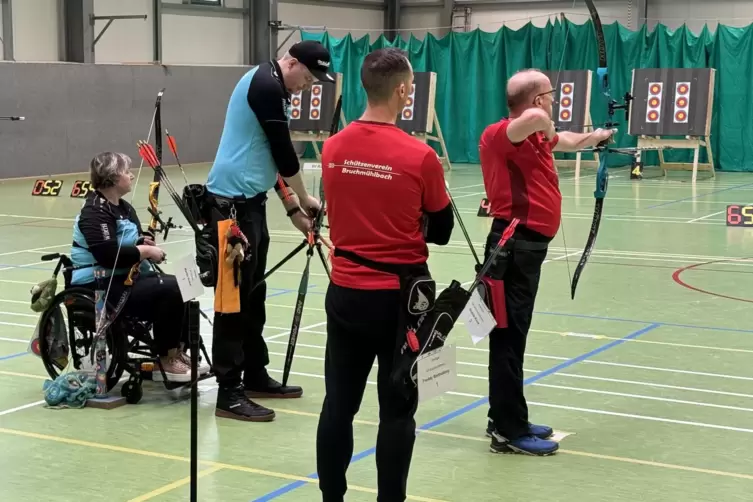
(291, 212)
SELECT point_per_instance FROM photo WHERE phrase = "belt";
(242, 205)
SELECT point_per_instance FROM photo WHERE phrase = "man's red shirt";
(520, 179)
(378, 182)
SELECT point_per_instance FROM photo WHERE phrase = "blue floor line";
(639, 321)
(461, 411)
(5, 358)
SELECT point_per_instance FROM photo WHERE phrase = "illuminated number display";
(81, 188)
(484, 208)
(46, 188)
(739, 215)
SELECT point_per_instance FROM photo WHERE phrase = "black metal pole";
(194, 310)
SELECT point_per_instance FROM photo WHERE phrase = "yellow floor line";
(659, 464)
(27, 375)
(217, 465)
(175, 484)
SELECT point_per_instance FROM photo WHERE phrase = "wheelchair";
(67, 330)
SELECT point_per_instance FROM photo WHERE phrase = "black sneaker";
(232, 403)
(271, 388)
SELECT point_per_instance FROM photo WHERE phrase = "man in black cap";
(255, 147)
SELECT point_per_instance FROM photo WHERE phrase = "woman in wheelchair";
(107, 235)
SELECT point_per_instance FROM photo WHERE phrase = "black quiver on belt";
(425, 321)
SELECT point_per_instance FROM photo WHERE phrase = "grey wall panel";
(74, 111)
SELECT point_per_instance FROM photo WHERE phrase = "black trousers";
(361, 326)
(238, 348)
(154, 298)
(520, 271)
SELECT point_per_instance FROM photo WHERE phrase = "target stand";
(419, 117)
(674, 102)
(572, 112)
(310, 113)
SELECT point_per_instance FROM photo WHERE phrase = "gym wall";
(74, 111)
(491, 15)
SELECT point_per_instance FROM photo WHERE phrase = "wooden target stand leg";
(690, 142)
(439, 138)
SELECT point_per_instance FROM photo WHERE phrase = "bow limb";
(155, 223)
(602, 176)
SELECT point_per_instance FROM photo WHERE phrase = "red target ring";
(653, 102)
(682, 102)
(316, 90)
(655, 89)
(315, 102)
(653, 116)
(564, 115)
(566, 102)
(680, 115)
(407, 113)
(682, 89)
(315, 114)
(567, 89)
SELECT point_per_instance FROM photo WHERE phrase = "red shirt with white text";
(520, 179)
(378, 182)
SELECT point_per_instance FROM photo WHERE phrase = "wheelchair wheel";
(66, 337)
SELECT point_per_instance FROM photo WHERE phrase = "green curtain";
(472, 69)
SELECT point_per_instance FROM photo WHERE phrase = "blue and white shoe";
(526, 445)
(540, 431)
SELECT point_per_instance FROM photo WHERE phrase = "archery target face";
(567, 94)
(682, 102)
(654, 102)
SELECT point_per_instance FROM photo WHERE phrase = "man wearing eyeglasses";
(521, 182)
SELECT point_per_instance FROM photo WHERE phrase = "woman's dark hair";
(382, 71)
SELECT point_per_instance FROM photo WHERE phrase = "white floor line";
(19, 314)
(22, 407)
(640, 396)
(704, 217)
(646, 384)
(641, 417)
(19, 340)
(3, 323)
(562, 387)
(476, 194)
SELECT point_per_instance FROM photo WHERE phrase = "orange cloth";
(227, 298)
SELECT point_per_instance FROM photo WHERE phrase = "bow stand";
(310, 242)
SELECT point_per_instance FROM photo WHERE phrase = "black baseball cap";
(314, 56)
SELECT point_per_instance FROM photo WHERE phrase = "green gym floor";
(647, 381)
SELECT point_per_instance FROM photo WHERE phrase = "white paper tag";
(436, 372)
(187, 274)
(477, 318)
(312, 166)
